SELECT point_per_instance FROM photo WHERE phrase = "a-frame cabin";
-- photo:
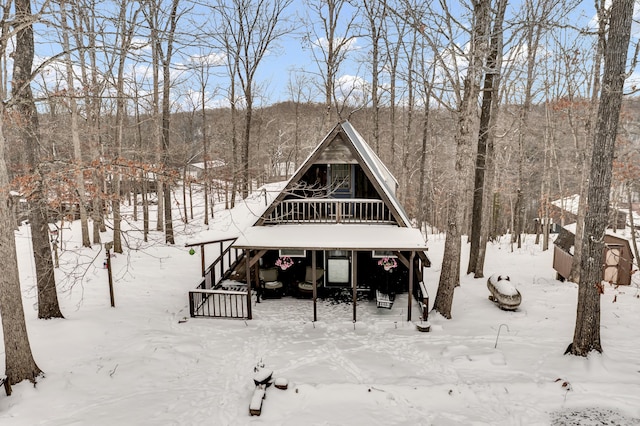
(336, 228)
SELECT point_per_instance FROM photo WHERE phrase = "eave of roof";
(331, 237)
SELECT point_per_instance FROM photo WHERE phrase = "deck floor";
(291, 308)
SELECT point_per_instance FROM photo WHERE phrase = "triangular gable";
(344, 144)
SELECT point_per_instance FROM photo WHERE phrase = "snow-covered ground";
(140, 363)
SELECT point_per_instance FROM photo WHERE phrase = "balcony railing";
(330, 210)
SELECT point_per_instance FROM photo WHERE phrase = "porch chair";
(270, 285)
(305, 288)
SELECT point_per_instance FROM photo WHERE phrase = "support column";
(354, 280)
(315, 288)
(409, 296)
(202, 258)
(247, 258)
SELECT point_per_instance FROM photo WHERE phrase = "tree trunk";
(632, 225)
(166, 119)
(424, 207)
(587, 332)
(246, 142)
(489, 101)
(48, 306)
(450, 273)
(19, 362)
(145, 206)
(205, 153)
(584, 157)
(75, 131)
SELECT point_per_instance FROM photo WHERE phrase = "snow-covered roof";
(569, 203)
(332, 237)
(210, 164)
(377, 167)
(371, 162)
(619, 233)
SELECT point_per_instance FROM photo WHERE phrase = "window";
(293, 252)
(382, 253)
(341, 176)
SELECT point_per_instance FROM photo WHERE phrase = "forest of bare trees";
(485, 110)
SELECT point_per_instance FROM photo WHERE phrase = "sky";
(145, 362)
(292, 53)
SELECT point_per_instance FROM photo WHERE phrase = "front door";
(338, 268)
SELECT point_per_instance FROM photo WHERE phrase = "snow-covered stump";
(262, 376)
(281, 383)
(503, 292)
(423, 326)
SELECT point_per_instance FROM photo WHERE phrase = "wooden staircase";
(209, 299)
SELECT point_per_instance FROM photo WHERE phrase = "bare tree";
(19, 362)
(587, 331)
(298, 88)
(375, 12)
(86, 31)
(330, 47)
(248, 31)
(202, 66)
(583, 156)
(485, 132)
(127, 21)
(28, 128)
(75, 130)
(166, 57)
(450, 275)
(393, 52)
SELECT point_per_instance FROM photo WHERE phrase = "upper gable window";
(341, 176)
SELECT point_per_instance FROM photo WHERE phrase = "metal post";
(108, 246)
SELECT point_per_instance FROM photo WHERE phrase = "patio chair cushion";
(272, 285)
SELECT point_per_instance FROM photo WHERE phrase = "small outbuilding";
(617, 265)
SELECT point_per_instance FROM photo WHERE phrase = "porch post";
(354, 280)
(315, 289)
(247, 258)
(202, 258)
(413, 254)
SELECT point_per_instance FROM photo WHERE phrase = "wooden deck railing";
(218, 303)
(422, 297)
(330, 210)
(207, 300)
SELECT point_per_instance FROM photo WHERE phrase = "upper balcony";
(330, 210)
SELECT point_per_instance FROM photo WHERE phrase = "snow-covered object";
(281, 383)
(255, 406)
(262, 376)
(503, 292)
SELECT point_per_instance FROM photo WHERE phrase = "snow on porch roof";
(332, 237)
